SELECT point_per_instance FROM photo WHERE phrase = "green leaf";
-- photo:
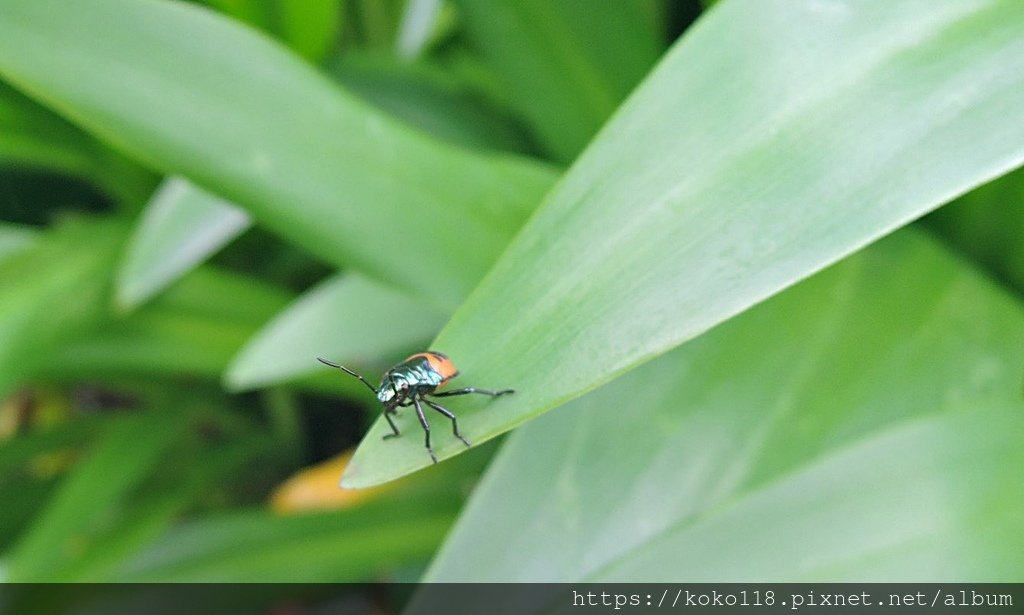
(348, 545)
(881, 397)
(181, 226)
(698, 201)
(193, 328)
(565, 64)
(32, 136)
(52, 292)
(345, 318)
(376, 22)
(119, 459)
(262, 129)
(23, 497)
(419, 23)
(18, 451)
(325, 547)
(309, 27)
(149, 517)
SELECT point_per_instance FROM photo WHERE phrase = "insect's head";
(392, 387)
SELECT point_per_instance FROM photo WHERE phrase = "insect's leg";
(468, 390)
(426, 426)
(448, 413)
(388, 411)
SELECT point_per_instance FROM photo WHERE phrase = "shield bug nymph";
(410, 382)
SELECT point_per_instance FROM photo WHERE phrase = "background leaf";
(51, 292)
(345, 318)
(419, 21)
(339, 546)
(181, 226)
(259, 546)
(192, 329)
(881, 396)
(427, 97)
(197, 96)
(696, 201)
(564, 64)
(120, 458)
(31, 136)
(310, 28)
(988, 226)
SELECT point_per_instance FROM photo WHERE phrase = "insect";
(409, 383)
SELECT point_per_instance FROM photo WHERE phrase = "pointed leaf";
(882, 397)
(181, 226)
(706, 195)
(419, 21)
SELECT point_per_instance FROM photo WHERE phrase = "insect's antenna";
(349, 372)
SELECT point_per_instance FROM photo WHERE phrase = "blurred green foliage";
(196, 203)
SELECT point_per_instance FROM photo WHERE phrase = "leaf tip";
(354, 478)
(235, 379)
(350, 479)
(127, 297)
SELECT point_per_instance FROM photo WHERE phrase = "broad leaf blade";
(699, 199)
(881, 396)
(260, 128)
(181, 226)
(950, 512)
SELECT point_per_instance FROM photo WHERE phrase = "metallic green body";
(402, 380)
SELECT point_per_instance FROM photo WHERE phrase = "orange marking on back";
(439, 363)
